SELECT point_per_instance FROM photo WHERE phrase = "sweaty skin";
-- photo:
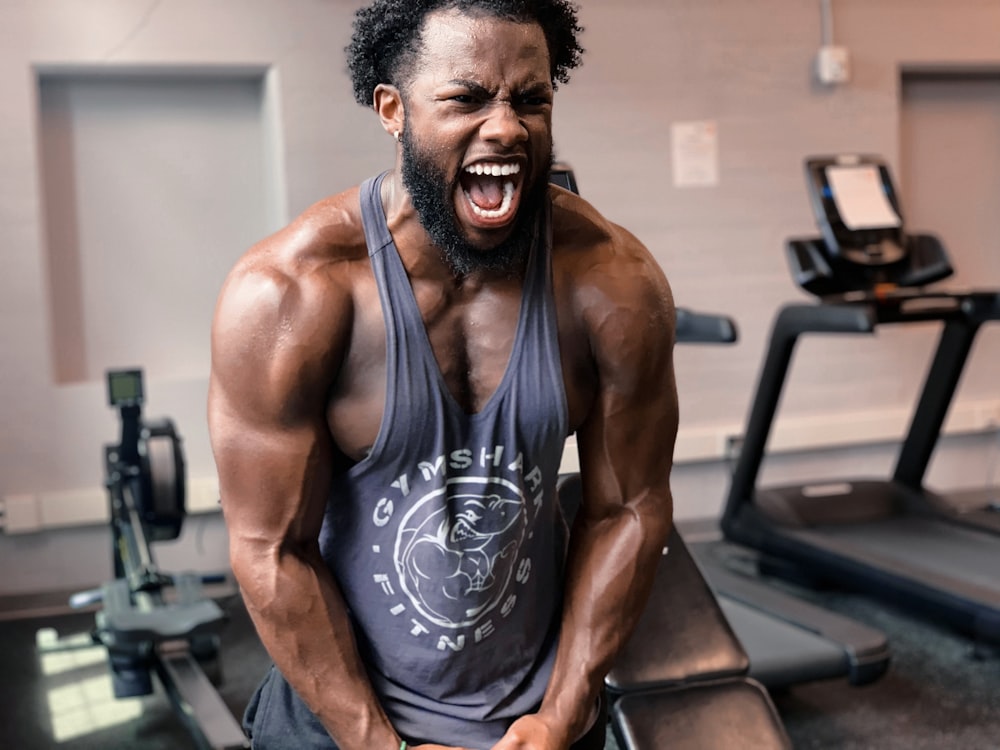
(298, 382)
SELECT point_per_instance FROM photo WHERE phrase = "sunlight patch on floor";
(69, 661)
(87, 704)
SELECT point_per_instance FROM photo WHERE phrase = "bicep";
(626, 443)
(272, 476)
(266, 413)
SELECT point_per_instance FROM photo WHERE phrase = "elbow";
(268, 572)
(250, 562)
(644, 524)
(654, 513)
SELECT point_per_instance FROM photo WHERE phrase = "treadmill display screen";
(860, 197)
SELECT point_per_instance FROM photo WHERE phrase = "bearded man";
(394, 376)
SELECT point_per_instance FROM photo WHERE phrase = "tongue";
(486, 192)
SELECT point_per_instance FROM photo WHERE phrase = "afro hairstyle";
(387, 36)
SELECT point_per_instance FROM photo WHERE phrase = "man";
(393, 378)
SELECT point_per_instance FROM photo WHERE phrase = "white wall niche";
(154, 180)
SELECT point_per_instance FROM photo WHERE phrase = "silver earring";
(396, 136)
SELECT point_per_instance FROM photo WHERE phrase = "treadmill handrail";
(791, 322)
(704, 328)
(927, 418)
(942, 379)
(962, 314)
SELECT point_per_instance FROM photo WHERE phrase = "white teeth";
(494, 170)
(508, 199)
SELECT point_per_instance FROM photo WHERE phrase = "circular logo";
(457, 548)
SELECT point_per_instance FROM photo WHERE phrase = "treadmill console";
(864, 247)
(856, 208)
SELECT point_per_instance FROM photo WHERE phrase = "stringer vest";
(447, 539)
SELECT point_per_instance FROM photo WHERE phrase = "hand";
(531, 733)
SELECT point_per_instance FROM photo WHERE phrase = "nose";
(504, 125)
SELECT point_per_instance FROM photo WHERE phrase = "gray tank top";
(447, 539)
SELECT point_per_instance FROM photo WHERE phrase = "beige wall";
(650, 63)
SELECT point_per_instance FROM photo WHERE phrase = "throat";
(485, 192)
(489, 196)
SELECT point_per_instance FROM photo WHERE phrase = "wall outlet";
(21, 514)
(734, 444)
(833, 65)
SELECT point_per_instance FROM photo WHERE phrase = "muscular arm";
(274, 354)
(626, 448)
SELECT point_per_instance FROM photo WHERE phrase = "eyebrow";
(476, 88)
(479, 90)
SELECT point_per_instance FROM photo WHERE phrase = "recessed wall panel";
(153, 185)
(950, 165)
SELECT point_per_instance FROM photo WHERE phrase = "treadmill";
(786, 639)
(890, 537)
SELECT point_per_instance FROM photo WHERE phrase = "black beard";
(431, 193)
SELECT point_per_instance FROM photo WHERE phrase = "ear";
(388, 103)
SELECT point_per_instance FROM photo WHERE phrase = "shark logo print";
(459, 545)
(455, 561)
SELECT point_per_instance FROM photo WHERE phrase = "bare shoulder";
(616, 298)
(284, 313)
(618, 291)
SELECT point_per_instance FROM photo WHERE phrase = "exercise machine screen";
(125, 387)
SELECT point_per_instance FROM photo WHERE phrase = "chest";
(471, 338)
(464, 337)
(471, 332)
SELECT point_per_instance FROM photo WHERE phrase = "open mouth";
(491, 192)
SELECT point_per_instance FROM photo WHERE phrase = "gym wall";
(144, 145)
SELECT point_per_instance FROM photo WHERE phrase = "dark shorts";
(277, 719)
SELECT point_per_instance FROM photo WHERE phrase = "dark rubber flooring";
(939, 692)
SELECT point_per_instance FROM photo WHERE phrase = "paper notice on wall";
(860, 199)
(695, 151)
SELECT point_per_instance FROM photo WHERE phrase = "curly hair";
(387, 37)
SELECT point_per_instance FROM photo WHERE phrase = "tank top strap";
(404, 324)
(535, 359)
(410, 366)
(377, 233)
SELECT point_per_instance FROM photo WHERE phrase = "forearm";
(302, 621)
(610, 572)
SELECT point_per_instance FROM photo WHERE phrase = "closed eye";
(531, 104)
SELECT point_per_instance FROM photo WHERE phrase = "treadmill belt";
(978, 508)
(780, 653)
(939, 554)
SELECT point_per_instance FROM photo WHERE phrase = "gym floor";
(938, 693)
